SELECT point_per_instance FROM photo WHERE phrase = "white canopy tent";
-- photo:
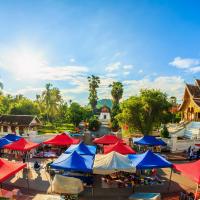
(111, 163)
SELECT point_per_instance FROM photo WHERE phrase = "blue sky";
(144, 44)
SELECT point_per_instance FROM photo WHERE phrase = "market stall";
(120, 148)
(4, 141)
(21, 148)
(74, 162)
(111, 163)
(146, 164)
(56, 145)
(82, 149)
(190, 170)
(107, 139)
(149, 140)
(61, 140)
(12, 137)
(21, 145)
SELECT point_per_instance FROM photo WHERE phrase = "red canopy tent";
(191, 170)
(21, 145)
(120, 148)
(8, 169)
(107, 139)
(62, 140)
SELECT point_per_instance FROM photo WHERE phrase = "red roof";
(107, 139)
(191, 170)
(21, 145)
(62, 140)
(8, 169)
(120, 148)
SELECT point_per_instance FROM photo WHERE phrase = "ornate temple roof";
(194, 90)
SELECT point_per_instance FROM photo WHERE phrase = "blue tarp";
(3, 142)
(149, 140)
(12, 137)
(82, 149)
(74, 162)
(149, 160)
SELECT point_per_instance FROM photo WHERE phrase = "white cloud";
(140, 71)
(28, 64)
(113, 67)
(195, 69)
(127, 66)
(184, 63)
(172, 85)
(188, 64)
(126, 73)
(72, 60)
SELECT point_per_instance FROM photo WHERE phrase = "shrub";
(164, 132)
(115, 125)
(94, 124)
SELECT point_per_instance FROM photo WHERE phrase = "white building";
(104, 116)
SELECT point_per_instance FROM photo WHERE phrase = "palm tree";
(94, 82)
(117, 91)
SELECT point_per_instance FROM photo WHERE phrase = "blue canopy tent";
(149, 160)
(12, 137)
(149, 141)
(82, 149)
(74, 162)
(4, 141)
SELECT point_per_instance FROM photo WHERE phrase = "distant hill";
(104, 102)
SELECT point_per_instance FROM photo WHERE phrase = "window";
(104, 116)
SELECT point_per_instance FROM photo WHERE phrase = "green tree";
(94, 124)
(144, 112)
(116, 91)
(24, 106)
(75, 113)
(51, 99)
(94, 82)
(164, 132)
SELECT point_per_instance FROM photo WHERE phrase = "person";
(191, 154)
(198, 153)
(188, 151)
(36, 165)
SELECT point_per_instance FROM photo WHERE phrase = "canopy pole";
(196, 191)
(27, 180)
(170, 180)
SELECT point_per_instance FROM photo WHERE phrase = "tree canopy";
(144, 112)
(94, 82)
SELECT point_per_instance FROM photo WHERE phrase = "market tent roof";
(149, 160)
(62, 140)
(4, 141)
(12, 137)
(149, 140)
(111, 163)
(191, 170)
(82, 149)
(107, 139)
(8, 169)
(74, 162)
(21, 145)
(120, 148)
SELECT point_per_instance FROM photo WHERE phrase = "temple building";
(190, 108)
(19, 124)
